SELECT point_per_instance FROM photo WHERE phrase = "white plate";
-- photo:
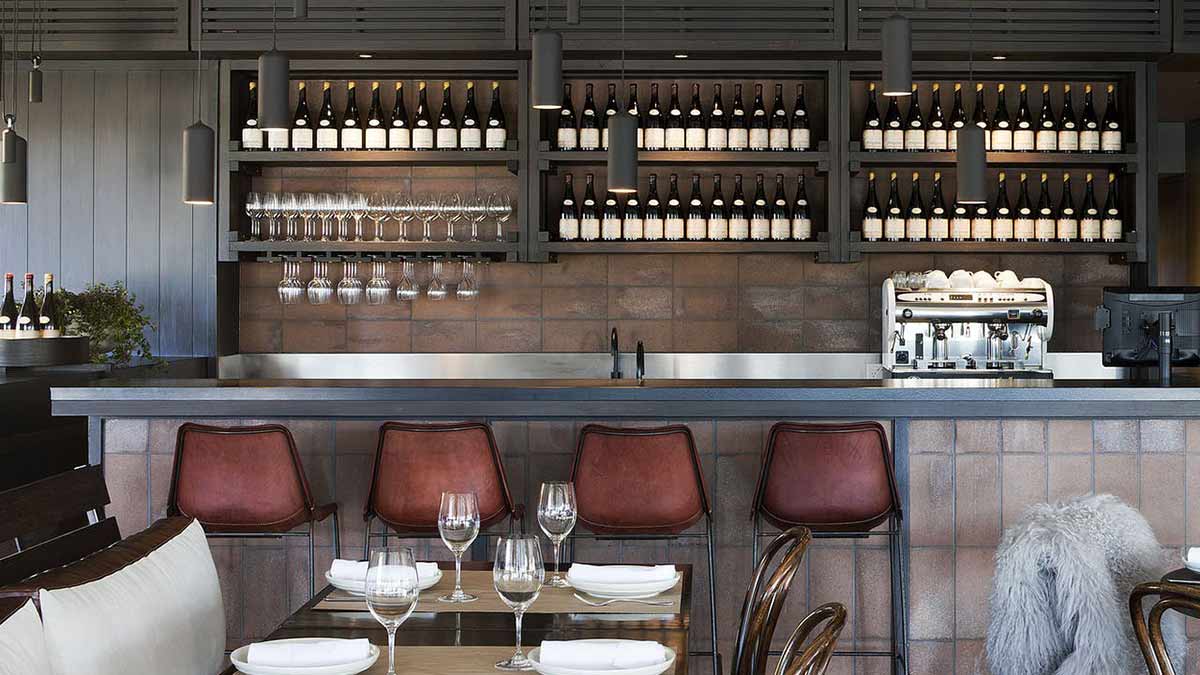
(657, 669)
(359, 589)
(238, 657)
(642, 590)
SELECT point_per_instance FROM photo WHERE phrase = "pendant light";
(622, 138)
(273, 74)
(300, 9)
(573, 12)
(199, 150)
(547, 68)
(971, 155)
(35, 46)
(14, 151)
(897, 55)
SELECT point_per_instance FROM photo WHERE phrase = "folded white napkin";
(619, 655)
(620, 574)
(355, 571)
(308, 654)
(1193, 555)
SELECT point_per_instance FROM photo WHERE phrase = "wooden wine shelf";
(375, 157)
(1120, 247)
(819, 159)
(859, 158)
(601, 246)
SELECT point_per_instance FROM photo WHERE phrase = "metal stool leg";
(367, 541)
(754, 542)
(903, 618)
(312, 560)
(337, 538)
(712, 598)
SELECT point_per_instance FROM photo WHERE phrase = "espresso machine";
(966, 325)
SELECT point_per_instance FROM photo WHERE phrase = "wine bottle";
(760, 216)
(1047, 133)
(653, 219)
(589, 121)
(958, 118)
(939, 218)
(801, 137)
(470, 133)
(739, 126)
(872, 224)
(872, 134)
(1002, 132)
(49, 316)
(1002, 220)
(760, 135)
(352, 133)
(801, 220)
(717, 137)
(781, 216)
(914, 131)
(673, 223)
(960, 222)
(1068, 128)
(327, 125)
(916, 225)
(633, 228)
(610, 218)
(376, 132)
(1110, 137)
(779, 135)
(1024, 226)
(696, 225)
(697, 134)
(589, 215)
(739, 216)
(1112, 228)
(936, 133)
(632, 107)
(1067, 224)
(422, 134)
(27, 318)
(1089, 223)
(8, 310)
(893, 126)
(718, 213)
(568, 133)
(1044, 226)
(893, 218)
(568, 216)
(447, 124)
(302, 123)
(496, 136)
(1089, 124)
(981, 222)
(980, 117)
(1024, 136)
(656, 137)
(400, 133)
(675, 136)
(611, 108)
(252, 134)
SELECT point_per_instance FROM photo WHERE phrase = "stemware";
(273, 208)
(320, 289)
(453, 209)
(255, 212)
(291, 291)
(427, 208)
(556, 515)
(350, 288)
(392, 591)
(307, 205)
(403, 209)
(458, 524)
(378, 206)
(325, 209)
(480, 207)
(437, 288)
(517, 576)
(341, 209)
(408, 288)
(468, 288)
(289, 203)
(503, 210)
(357, 210)
(379, 289)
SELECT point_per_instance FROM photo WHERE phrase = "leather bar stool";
(837, 480)
(416, 463)
(644, 483)
(244, 482)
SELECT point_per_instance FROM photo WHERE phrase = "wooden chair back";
(1179, 597)
(809, 653)
(765, 598)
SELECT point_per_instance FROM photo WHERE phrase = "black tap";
(616, 356)
(641, 362)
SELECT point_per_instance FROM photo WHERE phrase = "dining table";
(468, 639)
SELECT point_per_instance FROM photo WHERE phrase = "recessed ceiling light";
(366, 56)
(681, 55)
(999, 57)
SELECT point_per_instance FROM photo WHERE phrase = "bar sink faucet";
(640, 372)
(616, 356)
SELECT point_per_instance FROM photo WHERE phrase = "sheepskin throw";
(1060, 596)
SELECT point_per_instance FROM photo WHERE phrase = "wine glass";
(325, 208)
(307, 204)
(392, 592)
(468, 287)
(379, 289)
(254, 211)
(320, 289)
(402, 209)
(291, 291)
(458, 523)
(378, 205)
(556, 516)
(349, 289)
(427, 207)
(437, 288)
(289, 203)
(503, 209)
(272, 207)
(357, 210)
(517, 576)
(341, 210)
(408, 288)
(453, 210)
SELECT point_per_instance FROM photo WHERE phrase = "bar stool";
(246, 482)
(644, 483)
(416, 463)
(837, 480)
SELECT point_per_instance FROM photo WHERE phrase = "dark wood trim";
(59, 551)
(51, 500)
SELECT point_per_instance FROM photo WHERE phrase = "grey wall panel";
(42, 121)
(177, 110)
(78, 173)
(142, 157)
(109, 172)
(204, 243)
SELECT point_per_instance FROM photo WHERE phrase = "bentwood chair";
(837, 480)
(644, 483)
(416, 463)
(809, 654)
(765, 600)
(1179, 597)
(246, 482)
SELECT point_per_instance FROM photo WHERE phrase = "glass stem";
(520, 615)
(392, 650)
(458, 574)
(557, 547)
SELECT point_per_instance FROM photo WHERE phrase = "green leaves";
(111, 317)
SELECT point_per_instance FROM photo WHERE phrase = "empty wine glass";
(254, 211)
(272, 207)
(379, 289)
(357, 210)
(468, 287)
(392, 591)
(502, 208)
(458, 523)
(517, 575)
(427, 209)
(325, 209)
(307, 205)
(349, 289)
(341, 209)
(291, 291)
(378, 206)
(320, 289)
(556, 515)
(408, 288)
(437, 288)
(289, 203)
(403, 209)
(452, 211)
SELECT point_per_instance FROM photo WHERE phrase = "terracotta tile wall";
(719, 303)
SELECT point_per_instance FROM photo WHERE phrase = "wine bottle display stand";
(40, 352)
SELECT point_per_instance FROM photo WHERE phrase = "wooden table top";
(497, 629)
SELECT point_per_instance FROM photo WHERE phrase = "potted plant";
(113, 320)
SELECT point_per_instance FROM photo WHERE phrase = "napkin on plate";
(355, 571)
(308, 654)
(616, 655)
(620, 574)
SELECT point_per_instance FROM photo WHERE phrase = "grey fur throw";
(1060, 597)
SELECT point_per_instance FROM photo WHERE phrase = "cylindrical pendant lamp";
(897, 56)
(300, 9)
(35, 81)
(273, 74)
(547, 70)
(14, 183)
(622, 153)
(199, 148)
(972, 166)
(573, 12)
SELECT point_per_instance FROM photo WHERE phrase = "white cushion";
(22, 646)
(162, 614)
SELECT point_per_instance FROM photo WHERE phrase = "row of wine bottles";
(737, 219)
(998, 222)
(1048, 133)
(380, 131)
(697, 128)
(31, 319)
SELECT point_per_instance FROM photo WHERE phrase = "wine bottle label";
(653, 228)
(893, 139)
(673, 229)
(872, 228)
(936, 140)
(655, 139)
(939, 228)
(471, 139)
(952, 139)
(1024, 229)
(352, 139)
(760, 139)
(1002, 139)
(981, 229)
(893, 228)
(567, 139)
(801, 139)
(960, 228)
(634, 229)
(604, 138)
(447, 138)
(1067, 229)
(589, 139)
(1112, 229)
(302, 139)
(781, 228)
(696, 139)
(697, 228)
(252, 139)
(400, 139)
(914, 139)
(916, 229)
(51, 332)
(1068, 140)
(589, 229)
(568, 228)
(1002, 229)
(422, 139)
(376, 139)
(779, 139)
(1089, 229)
(801, 229)
(718, 139)
(277, 139)
(739, 229)
(641, 134)
(872, 139)
(760, 229)
(739, 139)
(1044, 229)
(718, 228)
(497, 138)
(1024, 140)
(1089, 140)
(1047, 140)
(675, 139)
(327, 139)
(610, 229)
(1110, 141)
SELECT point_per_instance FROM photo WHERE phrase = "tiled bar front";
(964, 480)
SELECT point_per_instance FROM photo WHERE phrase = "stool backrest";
(1149, 633)
(765, 598)
(807, 653)
(416, 463)
(827, 477)
(638, 480)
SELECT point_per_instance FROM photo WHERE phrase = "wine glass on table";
(391, 592)
(556, 516)
(458, 524)
(517, 576)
